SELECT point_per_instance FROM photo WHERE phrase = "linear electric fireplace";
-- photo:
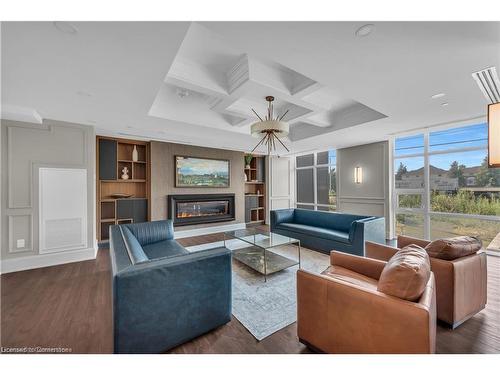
(190, 209)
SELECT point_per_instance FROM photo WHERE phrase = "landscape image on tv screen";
(199, 172)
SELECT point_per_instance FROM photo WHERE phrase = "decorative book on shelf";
(123, 183)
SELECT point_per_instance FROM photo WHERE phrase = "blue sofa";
(326, 231)
(162, 294)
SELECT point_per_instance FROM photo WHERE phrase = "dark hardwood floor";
(69, 306)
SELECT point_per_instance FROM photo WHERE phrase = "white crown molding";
(18, 113)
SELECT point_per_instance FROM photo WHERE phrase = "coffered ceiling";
(197, 82)
(215, 84)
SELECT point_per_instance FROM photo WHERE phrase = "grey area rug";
(266, 307)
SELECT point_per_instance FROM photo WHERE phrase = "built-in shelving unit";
(255, 191)
(113, 155)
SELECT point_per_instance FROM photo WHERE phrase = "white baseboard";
(208, 230)
(47, 260)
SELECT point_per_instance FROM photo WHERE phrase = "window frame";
(314, 167)
(426, 210)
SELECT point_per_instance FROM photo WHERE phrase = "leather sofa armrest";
(427, 299)
(407, 240)
(312, 308)
(281, 216)
(378, 251)
(470, 285)
(368, 229)
(365, 266)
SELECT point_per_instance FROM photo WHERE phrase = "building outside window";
(443, 186)
(316, 181)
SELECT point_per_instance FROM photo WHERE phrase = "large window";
(443, 186)
(316, 181)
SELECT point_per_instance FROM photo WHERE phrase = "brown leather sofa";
(460, 283)
(341, 311)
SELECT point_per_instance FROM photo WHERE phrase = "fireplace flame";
(181, 215)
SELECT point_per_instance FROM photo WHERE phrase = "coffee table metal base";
(259, 254)
(253, 258)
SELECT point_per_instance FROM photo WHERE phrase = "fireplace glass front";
(197, 209)
(188, 209)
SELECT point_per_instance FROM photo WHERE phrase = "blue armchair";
(326, 231)
(164, 295)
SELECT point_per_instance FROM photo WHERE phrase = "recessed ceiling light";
(65, 27)
(92, 121)
(444, 104)
(365, 30)
(436, 96)
(84, 93)
(182, 93)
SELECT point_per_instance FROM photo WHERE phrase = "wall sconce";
(494, 135)
(358, 175)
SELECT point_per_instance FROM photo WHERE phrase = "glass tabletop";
(261, 238)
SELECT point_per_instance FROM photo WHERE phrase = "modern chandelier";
(269, 128)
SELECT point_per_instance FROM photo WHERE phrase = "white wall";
(373, 195)
(26, 148)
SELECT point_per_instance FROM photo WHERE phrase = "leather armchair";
(460, 283)
(164, 295)
(341, 311)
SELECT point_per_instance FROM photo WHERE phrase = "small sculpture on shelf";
(125, 173)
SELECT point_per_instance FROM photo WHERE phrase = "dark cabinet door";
(125, 209)
(130, 208)
(261, 169)
(140, 210)
(107, 159)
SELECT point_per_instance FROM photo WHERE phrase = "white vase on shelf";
(135, 154)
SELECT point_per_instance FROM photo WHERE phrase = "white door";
(62, 209)
(280, 183)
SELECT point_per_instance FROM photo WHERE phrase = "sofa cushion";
(164, 249)
(134, 248)
(329, 234)
(153, 231)
(346, 275)
(406, 273)
(331, 220)
(453, 248)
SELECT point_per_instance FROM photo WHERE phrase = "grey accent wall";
(25, 148)
(373, 195)
(163, 178)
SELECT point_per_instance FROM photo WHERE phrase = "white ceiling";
(133, 77)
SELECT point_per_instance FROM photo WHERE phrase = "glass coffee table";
(262, 254)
